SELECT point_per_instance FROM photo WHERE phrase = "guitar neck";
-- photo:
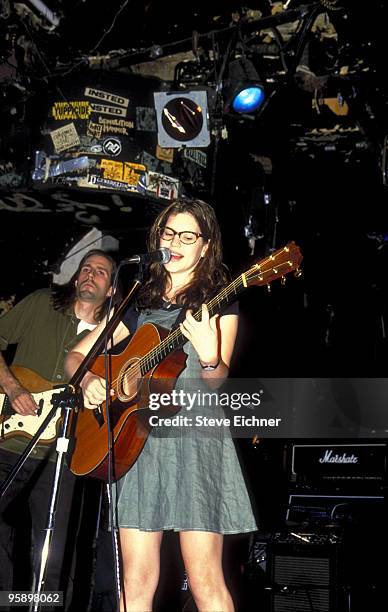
(176, 339)
(276, 265)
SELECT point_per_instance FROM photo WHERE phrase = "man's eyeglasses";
(166, 233)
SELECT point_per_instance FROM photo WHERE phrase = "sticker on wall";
(109, 126)
(112, 146)
(98, 182)
(125, 172)
(154, 164)
(105, 109)
(166, 155)
(133, 173)
(106, 96)
(87, 146)
(47, 167)
(94, 130)
(196, 156)
(146, 119)
(77, 109)
(65, 138)
(162, 186)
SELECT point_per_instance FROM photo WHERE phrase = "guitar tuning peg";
(283, 280)
(298, 273)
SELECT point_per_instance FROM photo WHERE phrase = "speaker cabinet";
(305, 578)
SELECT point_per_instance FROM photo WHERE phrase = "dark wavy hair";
(63, 296)
(210, 274)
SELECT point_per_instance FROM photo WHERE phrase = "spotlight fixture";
(182, 119)
(244, 92)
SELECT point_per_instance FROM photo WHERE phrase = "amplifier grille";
(317, 600)
(302, 570)
(303, 582)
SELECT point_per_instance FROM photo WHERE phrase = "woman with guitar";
(186, 481)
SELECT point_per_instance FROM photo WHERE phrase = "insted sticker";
(105, 96)
(105, 109)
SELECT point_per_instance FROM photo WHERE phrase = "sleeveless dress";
(186, 478)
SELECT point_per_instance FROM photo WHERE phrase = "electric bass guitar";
(151, 363)
(13, 424)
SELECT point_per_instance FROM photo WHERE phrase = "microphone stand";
(67, 400)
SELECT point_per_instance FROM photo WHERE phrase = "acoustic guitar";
(151, 363)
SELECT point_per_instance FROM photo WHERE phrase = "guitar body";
(128, 410)
(13, 424)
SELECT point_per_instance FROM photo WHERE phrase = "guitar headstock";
(276, 265)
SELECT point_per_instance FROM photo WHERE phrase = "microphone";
(162, 255)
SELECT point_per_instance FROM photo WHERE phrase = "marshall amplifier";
(313, 509)
(315, 464)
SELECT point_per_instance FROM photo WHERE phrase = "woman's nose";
(175, 240)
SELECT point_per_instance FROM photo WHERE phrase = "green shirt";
(43, 336)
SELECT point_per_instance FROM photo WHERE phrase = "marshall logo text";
(328, 457)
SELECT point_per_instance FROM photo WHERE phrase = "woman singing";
(188, 479)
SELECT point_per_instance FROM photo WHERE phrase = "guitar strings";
(233, 288)
(173, 340)
(176, 338)
(151, 359)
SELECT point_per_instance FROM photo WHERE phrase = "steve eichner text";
(205, 421)
(199, 399)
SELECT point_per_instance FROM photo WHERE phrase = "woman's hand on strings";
(94, 390)
(203, 335)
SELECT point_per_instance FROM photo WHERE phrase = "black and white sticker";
(112, 146)
(106, 96)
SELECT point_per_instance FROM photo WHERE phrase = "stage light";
(248, 99)
(182, 119)
(243, 91)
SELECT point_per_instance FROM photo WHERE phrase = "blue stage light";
(248, 100)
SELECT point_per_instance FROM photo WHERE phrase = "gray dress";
(186, 478)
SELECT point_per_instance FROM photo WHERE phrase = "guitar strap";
(130, 321)
(179, 318)
(131, 318)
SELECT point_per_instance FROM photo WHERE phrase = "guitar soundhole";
(128, 380)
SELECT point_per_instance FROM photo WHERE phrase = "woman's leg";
(202, 556)
(141, 562)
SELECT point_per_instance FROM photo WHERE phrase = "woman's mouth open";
(175, 256)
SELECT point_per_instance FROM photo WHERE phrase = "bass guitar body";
(13, 424)
(128, 407)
